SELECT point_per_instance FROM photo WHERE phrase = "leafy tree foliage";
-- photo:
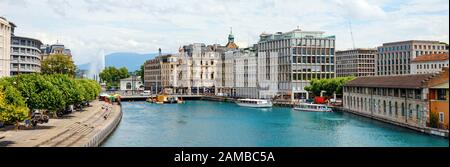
(332, 85)
(20, 94)
(58, 64)
(112, 75)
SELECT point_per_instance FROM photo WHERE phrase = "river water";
(220, 124)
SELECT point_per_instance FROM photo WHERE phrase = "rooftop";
(431, 57)
(415, 81)
(397, 81)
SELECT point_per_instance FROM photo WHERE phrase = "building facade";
(246, 73)
(430, 63)
(152, 75)
(47, 50)
(395, 58)
(133, 83)
(25, 55)
(198, 68)
(6, 30)
(439, 106)
(400, 99)
(169, 70)
(355, 62)
(288, 61)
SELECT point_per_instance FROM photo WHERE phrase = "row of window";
(431, 66)
(393, 92)
(385, 107)
(312, 51)
(408, 48)
(313, 59)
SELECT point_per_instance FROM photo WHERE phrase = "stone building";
(198, 68)
(246, 73)
(355, 62)
(400, 99)
(430, 63)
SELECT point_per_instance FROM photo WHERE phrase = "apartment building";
(395, 58)
(355, 62)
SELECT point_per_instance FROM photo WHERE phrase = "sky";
(90, 27)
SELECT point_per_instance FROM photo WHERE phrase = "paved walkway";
(69, 130)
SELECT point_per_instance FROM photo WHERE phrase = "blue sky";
(90, 27)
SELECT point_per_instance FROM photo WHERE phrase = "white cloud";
(145, 25)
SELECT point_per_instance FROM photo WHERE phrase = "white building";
(198, 68)
(288, 61)
(131, 83)
(430, 63)
(6, 29)
(246, 73)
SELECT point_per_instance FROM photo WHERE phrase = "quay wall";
(101, 135)
(431, 131)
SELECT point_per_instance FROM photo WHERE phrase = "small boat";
(255, 103)
(313, 107)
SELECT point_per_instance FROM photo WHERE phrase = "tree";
(10, 113)
(330, 86)
(140, 72)
(58, 64)
(112, 75)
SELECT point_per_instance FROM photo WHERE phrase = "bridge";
(143, 98)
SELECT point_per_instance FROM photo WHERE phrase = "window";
(128, 85)
(410, 111)
(403, 109)
(418, 93)
(441, 117)
(396, 109)
(441, 94)
(417, 112)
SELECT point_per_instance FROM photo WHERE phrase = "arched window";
(396, 109)
(417, 112)
(128, 85)
(403, 109)
(379, 106)
(384, 107)
(410, 111)
(390, 109)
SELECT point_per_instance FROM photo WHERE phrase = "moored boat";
(255, 103)
(312, 107)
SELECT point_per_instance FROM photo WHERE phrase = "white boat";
(313, 107)
(256, 103)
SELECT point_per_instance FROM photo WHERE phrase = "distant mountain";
(132, 61)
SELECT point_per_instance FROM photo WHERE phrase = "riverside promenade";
(88, 128)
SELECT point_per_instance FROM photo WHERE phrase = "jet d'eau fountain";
(96, 65)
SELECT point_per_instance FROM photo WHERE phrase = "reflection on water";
(204, 123)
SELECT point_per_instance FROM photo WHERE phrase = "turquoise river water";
(220, 124)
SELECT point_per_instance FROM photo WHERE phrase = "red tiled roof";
(431, 57)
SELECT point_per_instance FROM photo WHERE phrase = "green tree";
(58, 64)
(112, 75)
(39, 92)
(330, 86)
(10, 113)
